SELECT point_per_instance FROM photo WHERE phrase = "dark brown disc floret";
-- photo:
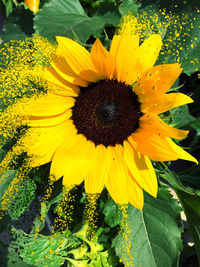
(106, 112)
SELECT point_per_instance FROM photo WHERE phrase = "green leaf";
(25, 194)
(59, 18)
(39, 220)
(190, 202)
(112, 214)
(6, 179)
(193, 86)
(195, 124)
(12, 31)
(16, 194)
(41, 250)
(70, 7)
(18, 25)
(8, 6)
(14, 260)
(190, 177)
(179, 117)
(67, 18)
(179, 25)
(129, 6)
(154, 233)
(90, 6)
(191, 206)
(174, 181)
(108, 13)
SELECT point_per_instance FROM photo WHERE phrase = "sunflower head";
(99, 121)
(107, 120)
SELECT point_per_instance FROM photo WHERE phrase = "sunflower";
(102, 126)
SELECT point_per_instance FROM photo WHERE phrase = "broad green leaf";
(17, 194)
(24, 195)
(70, 7)
(67, 18)
(178, 23)
(190, 202)
(59, 17)
(14, 260)
(43, 250)
(153, 235)
(129, 7)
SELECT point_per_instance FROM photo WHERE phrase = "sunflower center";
(106, 112)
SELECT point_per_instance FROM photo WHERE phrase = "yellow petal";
(113, 51)
(164, 102)
(73, 159)
(102, 60)
(116, 183)
(115, 45)
(98, 174)
(141, 168)
(63, 69)
(148, 53)
(48, 121)
(49, 105)
(182, 154)
(156, 147)
(43, 142)
(157, 80)
(135, 194)
(78, 165)
(152, 123)
(58, 84)
(78, 58)
(33, 5)
(125, 48)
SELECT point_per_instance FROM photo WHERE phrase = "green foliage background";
(157, 234)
